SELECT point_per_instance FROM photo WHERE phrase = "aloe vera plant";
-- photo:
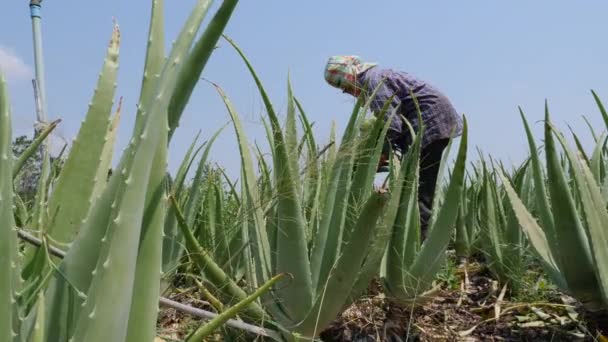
(467, 222)
(113, 228)
(313, 219)
(503, 242)
(411, 266)
(570, 237)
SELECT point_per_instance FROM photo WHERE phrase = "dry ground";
(469, 307)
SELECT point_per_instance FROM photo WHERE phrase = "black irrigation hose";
(168, 302)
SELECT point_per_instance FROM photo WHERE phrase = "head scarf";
(342, 71)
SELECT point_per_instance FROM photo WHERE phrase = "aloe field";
(309, 242)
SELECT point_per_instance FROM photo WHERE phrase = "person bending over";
(440, 119)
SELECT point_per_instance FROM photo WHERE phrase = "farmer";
(440, 119)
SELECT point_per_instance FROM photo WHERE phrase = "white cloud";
(13, 67)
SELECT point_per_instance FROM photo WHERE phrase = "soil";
(470, 307)
(468, 313)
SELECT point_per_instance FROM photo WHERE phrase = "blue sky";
(488, 57)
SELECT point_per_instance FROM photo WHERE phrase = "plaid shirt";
(438, 115)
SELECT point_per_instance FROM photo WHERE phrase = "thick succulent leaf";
(334, 203)
(544, 208)
(382, 233)
(443, 167)
(597, 160)
(186, 165)
(591, 129)
(310, 137)
(195, 62)
(144, 307)
(83, 255)
(576, 263)
(536, 235)
(38, 330)
(260, 247)
(339, 285)
(404, 243)
(208, 328)
(462, 241)
(367, 154)
(172, 238)
(431, 254)
(598, 235)
(595, 216)
(351, 187)
(231, 291)
(35, 260)
(69, 207)
(33, 148)
(328, 240)
(8, 236)
(107, 320)
(492, 223)
(292, 250)
(601, 107)
(107, 153)
(291, 133)
(194, 197)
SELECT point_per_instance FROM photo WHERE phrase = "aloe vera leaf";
(144, 307)
(310, 137)
(195, 62)
(367, 157)
(232, 292)
(491, 219)
(354, 184)
(186, 165)
(292, 250)
(579, 145)
(209, 327)
(33, 147)
(462, 242)
(405, 220)
(82, 163)
(38, 330)
(433, 249)
(438, 197)
(261, 248)
(385, 228)
(339, 285)
(82, 256)
(334, 205)
(594, 213)
(172, 238)
(35, 261)
(597, 159)
(159, 105)
(591, 129)
(194, 197)
(542, 199)
(601, 107)
(598, 236)
(232, 187)
(576, 263)
(291, 134)
(114, 276)
(107, 153)
(536, 235)
(8, 236)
